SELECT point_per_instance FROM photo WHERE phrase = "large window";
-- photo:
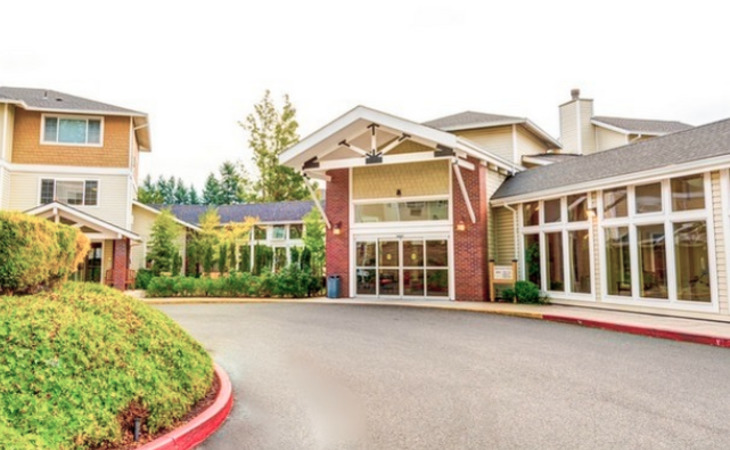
(70, 192)
(72, 130)
(664, 238)
(405, 211)
(557, 245)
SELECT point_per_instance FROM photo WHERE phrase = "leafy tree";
(163, 248)
(212, 191)
(314, 243)
(177, 263)
(208, 260)
(180, 194)
(223, 258)
(270, 133)
(166, 189)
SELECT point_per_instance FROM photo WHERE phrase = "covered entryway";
(402, 267)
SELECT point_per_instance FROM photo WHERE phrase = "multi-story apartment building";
(76, 161)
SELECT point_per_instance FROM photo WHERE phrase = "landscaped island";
(80, 361)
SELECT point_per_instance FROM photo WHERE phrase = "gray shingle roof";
(554, 157)
(266, 212)
(694, 144)
(58, 101)
(647, 126)
(469, 119)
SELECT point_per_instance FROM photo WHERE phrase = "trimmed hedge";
(290, 282)
(37, 253)
(525, 292)
(78, 363)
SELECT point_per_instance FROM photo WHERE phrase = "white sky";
(197, 68)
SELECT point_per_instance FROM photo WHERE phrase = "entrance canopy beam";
(318, 204)
(464, 193)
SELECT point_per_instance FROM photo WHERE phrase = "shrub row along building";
(620, 213)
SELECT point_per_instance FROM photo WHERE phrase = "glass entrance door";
(402, 267)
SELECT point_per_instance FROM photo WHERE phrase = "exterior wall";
(27, 148)
(503, 226)
(120, 263)
(113, 195)
(142, 225)
(497, 140)
(720, 242)
(494, 180)
(607, 139)
(576, 130)
(337, 209)
(415, 179)
(7, 120)
(528, 144)
(107, 260)
(470, 245)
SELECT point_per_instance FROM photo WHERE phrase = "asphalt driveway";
(338, 377)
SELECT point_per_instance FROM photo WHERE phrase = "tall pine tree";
(233, 184)
(212, 191)
(180, 194)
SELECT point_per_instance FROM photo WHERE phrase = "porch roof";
(84, 221)
(355, 123)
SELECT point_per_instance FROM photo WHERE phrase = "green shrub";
(143, 278)
(75, 360)
(528, 292)
(37, 253)
(507, 294)
(289, 282)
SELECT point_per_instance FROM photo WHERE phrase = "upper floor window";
(296, 231)
(72, 130)
(278, 232)
(71, 192)
(402, 211)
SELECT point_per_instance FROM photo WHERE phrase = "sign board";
(505, 275)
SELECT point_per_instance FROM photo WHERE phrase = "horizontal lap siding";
(413, 180)
(504, 232)
(497, 141)
(494, 180)
(113, 195)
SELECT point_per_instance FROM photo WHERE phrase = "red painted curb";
(644, 331)
(203, 425)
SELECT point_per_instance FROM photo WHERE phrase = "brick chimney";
(576, 130)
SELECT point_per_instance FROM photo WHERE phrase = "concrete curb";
(203, 425)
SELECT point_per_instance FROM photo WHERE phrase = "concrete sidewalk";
(679, 329)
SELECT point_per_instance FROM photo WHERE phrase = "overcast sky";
(197, 68)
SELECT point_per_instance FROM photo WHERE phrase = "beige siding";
(720, 254)
(504, 232)
(142, 225)
(576, 133)
(607, 139)
(107, 260)
(494, 181)
(409, 147)
(413, 179)
(496, 140)
(588, 137)
(7, 120)
(4, 188)
(528, 144)
(113, 201)
(569, 127)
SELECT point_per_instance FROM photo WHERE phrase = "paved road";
(340, 377)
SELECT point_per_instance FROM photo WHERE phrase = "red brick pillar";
(120, 263)
(337, 208)
(470, 245)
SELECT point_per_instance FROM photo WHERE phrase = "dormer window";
(72, 130)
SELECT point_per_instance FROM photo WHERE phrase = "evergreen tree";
(148, 193)
(180, 194)
(212, 191)
(270, 133)
(193, 197)
(162, 243)
(232, 184)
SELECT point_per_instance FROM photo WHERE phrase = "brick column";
(470, 246)
(120, 263)
(337, 207)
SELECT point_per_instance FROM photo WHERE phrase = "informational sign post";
(501, 274)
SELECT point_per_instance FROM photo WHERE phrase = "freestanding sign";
(505, 275)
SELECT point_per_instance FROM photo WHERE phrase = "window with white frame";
(655, 241)
(71, 192)
(72, 130)
(369, 211)
(278, 232)
(557, 244)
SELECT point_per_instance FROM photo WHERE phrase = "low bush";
(143, 278)
(75, 364)
(528, 292)
(289, 282)
(37, 253)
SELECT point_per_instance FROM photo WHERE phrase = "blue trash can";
(333, 286)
